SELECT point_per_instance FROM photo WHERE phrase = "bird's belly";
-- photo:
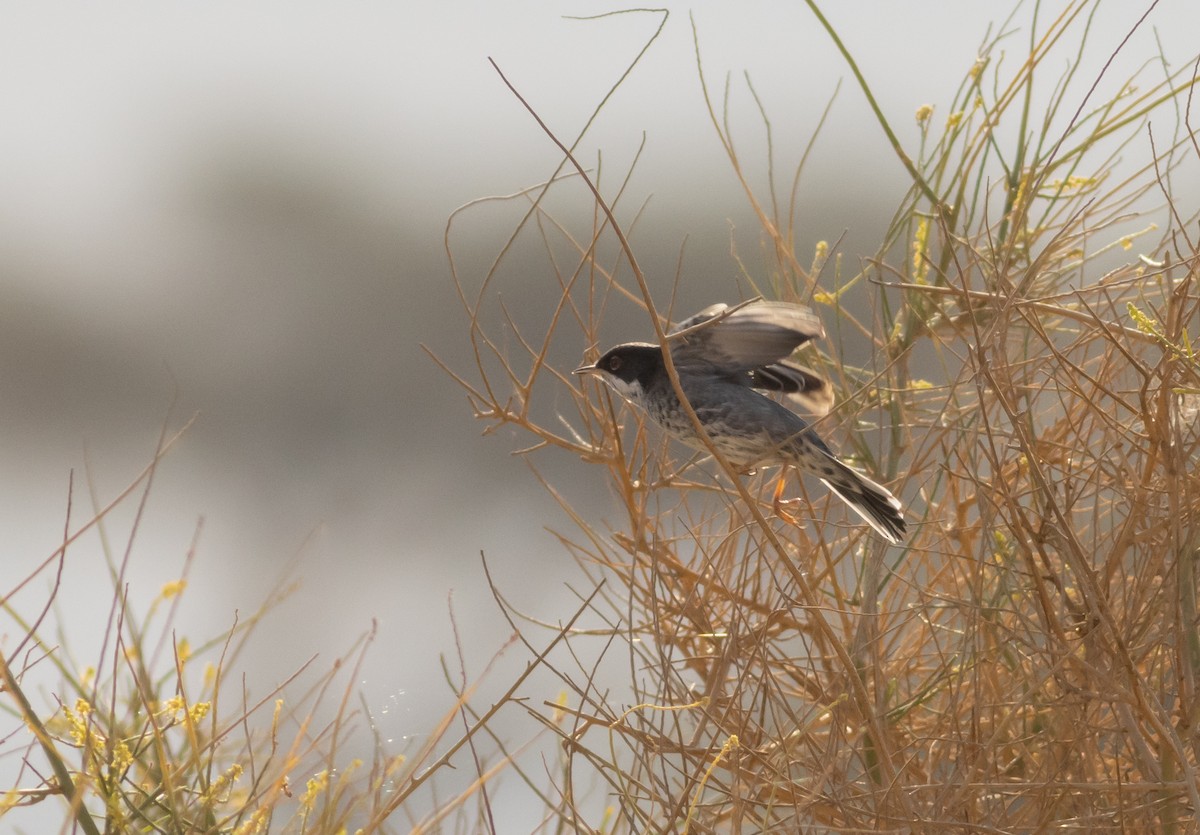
(741, 448)
(741, 451)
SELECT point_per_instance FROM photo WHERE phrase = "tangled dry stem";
(1029, 657)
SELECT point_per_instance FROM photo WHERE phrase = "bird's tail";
(878, 507)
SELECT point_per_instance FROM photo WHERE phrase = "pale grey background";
(244, 207)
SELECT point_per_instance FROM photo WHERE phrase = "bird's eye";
(614, 363)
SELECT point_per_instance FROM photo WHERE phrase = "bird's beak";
(587, 369)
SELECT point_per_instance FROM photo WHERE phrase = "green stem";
(61, 772)
(905, 159)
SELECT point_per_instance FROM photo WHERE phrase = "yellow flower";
(1073, 183)
(923, 113)
(953, 119)
(1144, 323)
(172, 588)
(219, 786)
(920, 240)
(256, 823)
(394, 764)
(122, 758)
(316, 784)
(77, 720)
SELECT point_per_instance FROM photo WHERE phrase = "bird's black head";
(629, 368)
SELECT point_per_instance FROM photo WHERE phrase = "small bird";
(724, 356)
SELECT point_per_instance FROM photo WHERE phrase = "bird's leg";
(777, 501)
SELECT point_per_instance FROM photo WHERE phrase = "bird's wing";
(803, 389)
(742, 338)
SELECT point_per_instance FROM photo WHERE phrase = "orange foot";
(778, 503)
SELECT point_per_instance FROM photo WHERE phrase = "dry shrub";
(1028, 658)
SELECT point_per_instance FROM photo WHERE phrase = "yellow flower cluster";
(172, 589)
(1072, 183)
(257, 822)
(218, 788)
(317, 784)
(176, 705)
(920, 242)
(122, 758)
(77, 720)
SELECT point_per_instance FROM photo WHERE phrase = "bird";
(725, 358)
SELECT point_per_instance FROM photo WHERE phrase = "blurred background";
(238, 211)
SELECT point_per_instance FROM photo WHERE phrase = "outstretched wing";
(803, 389)
(755, 338)
(742, 338)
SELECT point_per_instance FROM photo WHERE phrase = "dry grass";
(1028, 659)
(158, 734)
